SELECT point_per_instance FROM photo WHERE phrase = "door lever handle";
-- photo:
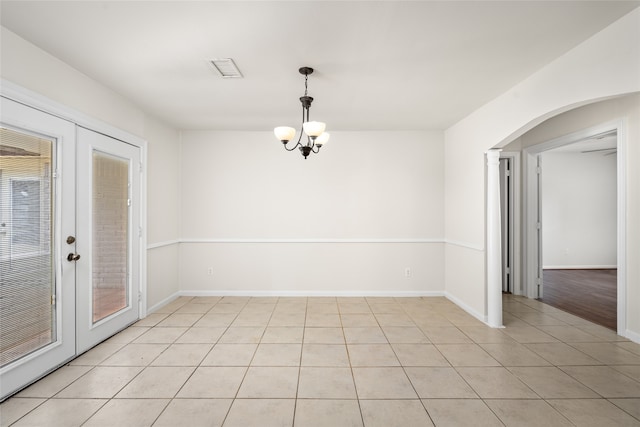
(73, 257)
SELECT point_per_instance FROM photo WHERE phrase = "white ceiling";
(380, 65)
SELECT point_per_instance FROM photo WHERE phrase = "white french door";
(37, 285)
(107, 272)
(69, 242)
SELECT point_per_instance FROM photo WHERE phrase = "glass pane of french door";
(27, 279)
(37, 213)
(110, 234)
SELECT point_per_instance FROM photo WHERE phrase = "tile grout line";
(304, 329)
(353, 377)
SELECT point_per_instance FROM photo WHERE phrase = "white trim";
(464, 245)
(530, 246)
(289, 293)
(216, 293)
(516, 268)
(39, 102)
(575, 136)
(579, 267)
(529, 230)
(311, 240)
(633, 336)
(481, 317)
(493, 240)
(162, 244)
(162, 303)
(621, 177)
(142, 303)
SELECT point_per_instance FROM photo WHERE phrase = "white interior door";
(506, 223)
(37, 213)
(108, 237)
(540, 280)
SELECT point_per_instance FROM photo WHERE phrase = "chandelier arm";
(293, 148)
(298, 144)
(317, 149)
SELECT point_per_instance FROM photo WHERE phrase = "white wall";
(163, 210)
(348, 220)
(579, 196)
(577, 78)
(34, 69)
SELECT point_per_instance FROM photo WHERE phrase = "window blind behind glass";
(27, 280)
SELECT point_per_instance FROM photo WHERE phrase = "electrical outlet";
(407, 272)
(210, 271)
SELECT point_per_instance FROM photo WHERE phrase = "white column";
(494, 255)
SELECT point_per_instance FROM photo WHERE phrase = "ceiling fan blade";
(600, 149)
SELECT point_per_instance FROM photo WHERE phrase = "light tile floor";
(235, 361)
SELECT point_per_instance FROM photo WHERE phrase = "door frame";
(515, 226)
(532, 245)
(35, 101)
(39, 102)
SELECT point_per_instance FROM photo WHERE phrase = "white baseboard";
(481, 317)
(633, 336)
(162, 303)
(201, 293)
(579, 267)
(314, 240)
(196, 293)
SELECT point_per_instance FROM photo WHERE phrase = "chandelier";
(316, 137)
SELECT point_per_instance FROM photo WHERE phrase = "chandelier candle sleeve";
(314, 132)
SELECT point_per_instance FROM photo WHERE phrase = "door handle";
(73, 257)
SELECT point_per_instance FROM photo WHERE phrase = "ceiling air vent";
(226, 68)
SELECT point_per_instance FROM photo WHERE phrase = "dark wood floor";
(590, 294)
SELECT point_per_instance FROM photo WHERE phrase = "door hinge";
(139, 231)
(508, 173)
(141, 168)
(53, 299)
(128, 202)
(538, 225)
(54, 174)
(139, 296)
(538, 170)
